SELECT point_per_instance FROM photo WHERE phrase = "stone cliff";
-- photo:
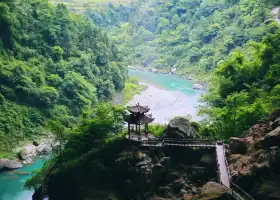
(255, 159)
(123, 170)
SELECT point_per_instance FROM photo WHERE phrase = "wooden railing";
(236, 192)
(174, 142)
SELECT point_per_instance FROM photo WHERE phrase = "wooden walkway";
(179, 143)
(222, 165)
(150, 141)
(224, 174)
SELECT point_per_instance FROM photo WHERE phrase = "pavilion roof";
(143, 119)
(138, 109)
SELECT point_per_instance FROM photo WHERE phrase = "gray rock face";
(212, 190)
(43, 149)
(198, 86)
(238, 145)
(28, 152)
(180, 128)
(9, 164)
(276, 123)
(271, 139)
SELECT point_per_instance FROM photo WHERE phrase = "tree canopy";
(53, 64)
(191, 35)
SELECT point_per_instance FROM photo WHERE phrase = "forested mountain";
(237, 41)
(191, 35)
(54, 65)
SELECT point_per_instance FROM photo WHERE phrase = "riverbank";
(166, 104)
(132, 87)
(12, 181)
(194, 78)
(27, 153)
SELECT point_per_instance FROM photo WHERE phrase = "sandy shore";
(165, 104)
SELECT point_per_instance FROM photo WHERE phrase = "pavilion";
(138, 117)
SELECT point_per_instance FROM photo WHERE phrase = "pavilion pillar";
(146, 130)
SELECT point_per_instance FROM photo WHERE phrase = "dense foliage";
(191, 35)
(132, 87)
(98, 127)
(53, 65)
(245, 87)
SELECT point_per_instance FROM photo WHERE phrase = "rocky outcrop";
(255, 159)
(238, 145)
(27, 154)
(37, 148)
(137, 173)
(44, 149)
(198, 86)
(180, 128)
(210, 191)
(270, 139)
(9, 164)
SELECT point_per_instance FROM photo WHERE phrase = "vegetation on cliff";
(98, 163)
(98, 127)
(131, 88)
(245, 87)
(54, 65)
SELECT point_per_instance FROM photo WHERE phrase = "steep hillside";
(79, 6)
(54, 65)
(192, 36)
(255, 159)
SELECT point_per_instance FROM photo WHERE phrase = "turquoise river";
(11, 182)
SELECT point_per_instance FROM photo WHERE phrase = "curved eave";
(140, 109)
(146, 120)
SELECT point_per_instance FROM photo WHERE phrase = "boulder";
(276, 123)
(213, 191)
(27, 161)
(271, 139)
(180, 128)
(28, 152)
(35, 143)
(9, 164)
(198, 86)
(194, 190)
(43, 149)
(238, 145)
(258, 131)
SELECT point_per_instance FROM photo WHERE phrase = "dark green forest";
(54, 65)
(191, 35)
(244, 88)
